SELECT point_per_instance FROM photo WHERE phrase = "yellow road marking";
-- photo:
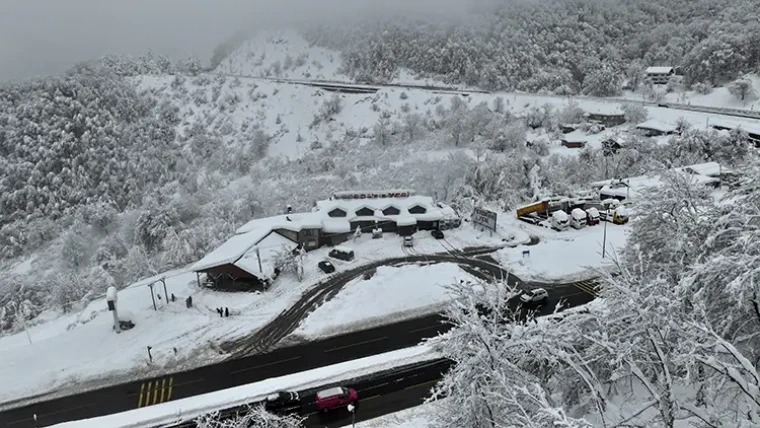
(264, 365)
(142, 390)
(171, 380)
(356, 344)
(147, 393)
(155, 393)
(163, 389)
(587, 286)
(370, 398)
(422, 384)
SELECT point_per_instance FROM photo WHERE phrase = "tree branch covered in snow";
(253, 417)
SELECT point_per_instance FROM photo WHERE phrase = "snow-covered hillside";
(283, 54)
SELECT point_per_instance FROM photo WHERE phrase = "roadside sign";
(484, 218)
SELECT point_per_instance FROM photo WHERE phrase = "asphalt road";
(275, 362)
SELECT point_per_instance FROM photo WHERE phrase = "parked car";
(537, 295)
(336, 397)
(342, 253)
(326, 267)
(408, 241)
(282, 401)
(437, 234)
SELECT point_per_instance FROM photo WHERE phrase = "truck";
(577, 218)
(560, 220)
(592, 216)
(534, 213)
(617, 216)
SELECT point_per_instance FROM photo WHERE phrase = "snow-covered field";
(189, 408)
(392, 294)
(89, 354)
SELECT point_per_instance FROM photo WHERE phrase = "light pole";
(352, 409)
(606, 220)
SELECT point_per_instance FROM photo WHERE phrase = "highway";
(273, 361)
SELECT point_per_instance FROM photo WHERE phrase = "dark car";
(282, 401)
(437, 234)
(326, 266)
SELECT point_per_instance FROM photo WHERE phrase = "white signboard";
(484, 218)
(378, 194)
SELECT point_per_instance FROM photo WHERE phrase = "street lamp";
(606, 220)
(352, 409)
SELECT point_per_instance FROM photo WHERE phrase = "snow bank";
(189, 408)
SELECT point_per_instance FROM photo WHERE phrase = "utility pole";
(153, 296)
(166, 293)
(604, 242)
(258, 256)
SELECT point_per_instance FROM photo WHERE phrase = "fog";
(48, 36)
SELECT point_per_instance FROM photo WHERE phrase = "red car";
(336, 397)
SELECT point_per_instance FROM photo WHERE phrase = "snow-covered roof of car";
(329, 392)
(343, 249)
(559, 215)
(578, 213)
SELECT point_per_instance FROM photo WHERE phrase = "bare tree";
(253, 417)
(741, 88)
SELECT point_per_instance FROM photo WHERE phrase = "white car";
(536, 295)
(408, 241)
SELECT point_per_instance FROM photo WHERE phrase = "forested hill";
(78, 138)
(565, 46)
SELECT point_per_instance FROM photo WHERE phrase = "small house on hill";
(574, 140)
(660, 75)
(654, 128)
(607, 119)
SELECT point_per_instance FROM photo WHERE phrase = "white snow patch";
(393, 293)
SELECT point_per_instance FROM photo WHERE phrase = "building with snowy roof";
(660, 75)
(654, 128)
(254, 254)
(752, 129)
(707, 174)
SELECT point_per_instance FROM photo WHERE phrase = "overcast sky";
(48, 36)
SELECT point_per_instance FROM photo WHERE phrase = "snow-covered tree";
(634, 113)
(741, 88)
(253, 417)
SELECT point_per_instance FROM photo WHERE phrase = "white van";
(560, 220)
(577, 218)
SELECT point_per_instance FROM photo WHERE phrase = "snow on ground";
(189, 408)
(89, 354)
(421, 416)
(392, 294)
(718, 97)
(568, 255)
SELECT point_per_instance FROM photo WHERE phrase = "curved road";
(278, 361)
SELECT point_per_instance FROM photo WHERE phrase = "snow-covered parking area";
(391, 295)
(564, 256)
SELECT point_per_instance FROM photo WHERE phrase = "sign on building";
(484, 218)
(379, 194)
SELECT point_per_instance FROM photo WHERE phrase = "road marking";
(171, 380)
(423, 383)
(142, 390)
(53, 413)
(370, 398)
(587, 286)
(425, 328)
(163, 389)
(356, 344)
(264, 365)
(147, 393)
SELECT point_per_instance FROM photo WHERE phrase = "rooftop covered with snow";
(660, 70)
(657, 125)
